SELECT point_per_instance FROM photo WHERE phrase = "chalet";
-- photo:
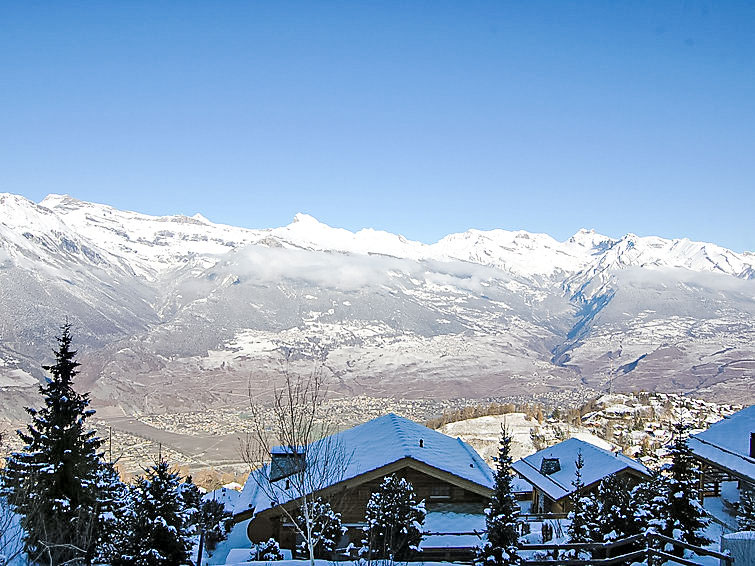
(446, 473)
(726, 451)
(551, 472)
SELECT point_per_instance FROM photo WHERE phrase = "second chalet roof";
(598, 464)
(727, 443)
(385, 440)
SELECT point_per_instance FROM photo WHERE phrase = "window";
(284, 465)
(440, 492)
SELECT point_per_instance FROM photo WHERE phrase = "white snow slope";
(157, 300)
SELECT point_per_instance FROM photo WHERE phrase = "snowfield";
(161, 300)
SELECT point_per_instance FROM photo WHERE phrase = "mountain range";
(179, 313)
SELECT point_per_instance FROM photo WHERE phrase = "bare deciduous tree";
(295, 443)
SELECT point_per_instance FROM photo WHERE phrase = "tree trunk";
(201, 547)
(310, 545)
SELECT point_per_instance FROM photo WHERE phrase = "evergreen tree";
(649, 500)
(583, 518)
(191, 503)
(616, 509)
(153, 525)
(112, 494)
(394, 521)
(746, 512)
(54, 482)
(269, 551)
(501, 514)
(326, 528)
(216, 523)
(684, 518)
(208, 518)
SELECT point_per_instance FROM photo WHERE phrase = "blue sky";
(421, 118)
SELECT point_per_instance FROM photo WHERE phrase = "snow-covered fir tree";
(746, 511)
(208, 519)
(669, 503)
(112, 492)
(685, 517)
(269, 551)
(394, 521)
(153, 527)
(583, 518)
(53, 483)
(325, 528)
(616, 507)
(215, 523)
(649, 500)
(501, 514)
(191, 502)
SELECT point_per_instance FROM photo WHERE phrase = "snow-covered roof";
(380, 442)
(598, 464)
(519, 485)
(727, 443)
(228, 497)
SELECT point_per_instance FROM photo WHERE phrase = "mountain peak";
(10, 201)
(54, 200)
(303, 218)
(591, 240)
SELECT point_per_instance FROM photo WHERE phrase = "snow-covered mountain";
(178, 311)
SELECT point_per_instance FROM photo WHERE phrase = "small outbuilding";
(551, 472)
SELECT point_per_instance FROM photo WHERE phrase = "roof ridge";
(628, 460)
(395, 421)
(619, 456)
(596, 447)
(547, 477)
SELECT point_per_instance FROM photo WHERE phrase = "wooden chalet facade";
(551, 472)
(726, 452)
(445, 472)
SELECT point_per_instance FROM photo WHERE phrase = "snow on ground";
(237, 539)
(453, 522)
(16, 378)
(484, 433)
(329, 563)
(722, 508)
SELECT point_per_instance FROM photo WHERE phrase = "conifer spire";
(53, 484)
(502, 512)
